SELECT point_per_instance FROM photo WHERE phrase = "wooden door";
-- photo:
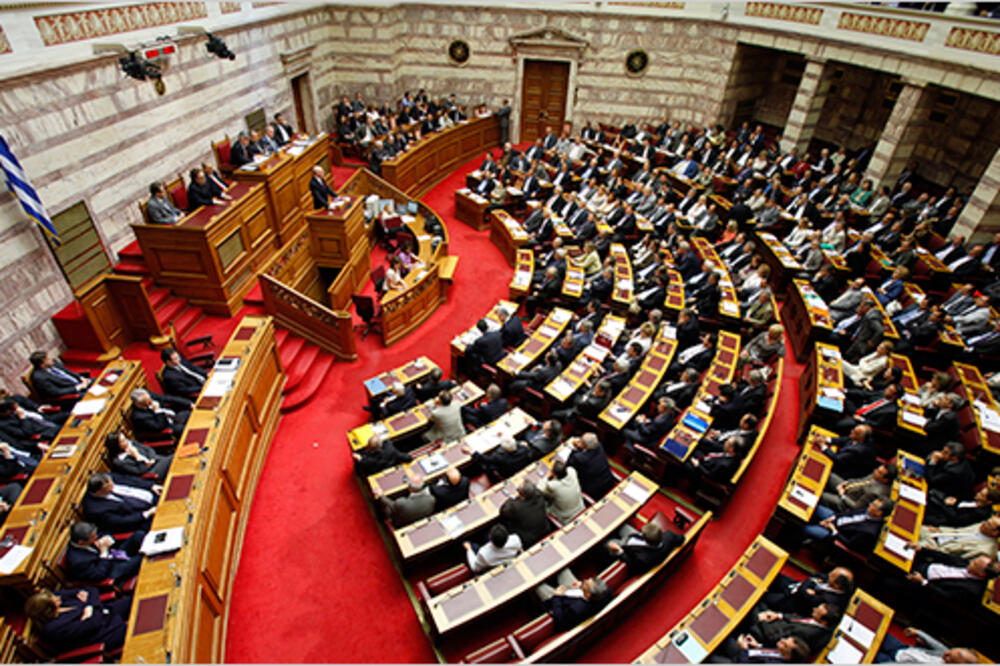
(543, 97)
(302, 97)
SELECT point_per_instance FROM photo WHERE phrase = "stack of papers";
(89, 407)
(453, 525)
(915, 495)
(433, 463)
(844, 653)
(560, 316)
(636, 492)
(899, 547)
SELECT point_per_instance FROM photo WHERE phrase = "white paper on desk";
(859, 632)
(98, 390)
(830, 352)
(915, 495)
(621, 412)
(702, 407)
(424, 238)
(491, 325)
(433, 463)
(478, 443)
(805, 496)
(988, 417)
(13, 558)
(453, 525)
(625, 284)
(464, 190)
(689, 646)
(518, 359)
(89, 407)
(669, 332)
(563, 453)
(636, 492)
(914, 419)
(547, 331)
(380, 429)
(899, 547)
(295, 150)
(730, 308)
(560, 316)
(911, 399)
(844, 653)
(562, 387)
(833, 393)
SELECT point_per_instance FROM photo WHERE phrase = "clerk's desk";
(286, 175)
(181, 604)
(211, 256)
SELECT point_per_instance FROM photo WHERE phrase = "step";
(157, 296)
(72, 324)
(280, 335)
(187, 320)
(308, 388)
(301, 367)
(166, 313)
(254, 296)
(131, 252)
(289, 350)
(81, 358)
(131, 268)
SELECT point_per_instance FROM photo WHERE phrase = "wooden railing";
(330, 330)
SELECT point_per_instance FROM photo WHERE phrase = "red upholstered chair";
(616, 575)
(448, 579)
(222, 155)
(177, 192)
(499, 651)
(533, 634)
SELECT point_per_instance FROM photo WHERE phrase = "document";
(636, 492)
(899, 547)
(805, 496)
(13, 558)
(844, 653)
(859, 632)
(89, 407)
(453, 525)
(433, 463)
(730, 308)
(562, 387)
(547, 331)
(914, 419)
(915, 495)
(560, 316)
(97, 390)
(693, 651)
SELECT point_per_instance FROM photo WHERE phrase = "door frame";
(545, 44)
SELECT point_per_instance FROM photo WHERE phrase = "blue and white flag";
(20, 187)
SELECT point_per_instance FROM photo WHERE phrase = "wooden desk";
(520, 282)
(902, 529)
(588, 361)
(572, 287)
(692, 639)
(450, 525)
(979, 397)
(406, 374)
(471, 208)
(821, 385)
(675, 298)
(507, 234)
(44, 510)
(489, 591)
(181, 604)
(808, 478)
(729, 304)
(465, 338)
(285, 176)
(212, 254)
(947, 336)
(862, 629)
(622, 295)
(781, 260)
(429, 160)
(910, 417)
(806, 317)
(634, 395)
(437, 462)
(410, 421)
(887, 324)
(536, 344)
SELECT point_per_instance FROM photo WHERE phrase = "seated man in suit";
(445, 419)
(537, 377)
(561, 489)
(416, 504)
(399, 399)
(682, 391)
(153, 413)
(943, 509)
(76, 617)
(180, 377)
(201, 192)
(765, 347)
(880, 413)
(720, 465)
(512, 331)
(130, 458)
(14, 461)
(215, 182)
(322, 193)
(769, 626)
(745, 649)
(857, 530)
(159, 210)
(432, 385)
(641, 550)
(23, 429)
(573, 601)
(645, 430)
(950, 472)
(243, 151)
(937, 576)
(853, 455)
(544, 440)
(283, 132)
(120, 504)
(51, 380)
(487, 348)
(588, 405)
(591, 465)
(525, 514)
(928, 650)
(91, 558)
(492, 407)
(503, 461)
(8, 497)
(969, 541)
(501, 547)
(787, 595)
(449, 490)
(844, 495)
(377, 455)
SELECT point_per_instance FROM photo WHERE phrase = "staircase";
(131, 261)
(306, 367)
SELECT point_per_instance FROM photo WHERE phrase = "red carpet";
(316, 583)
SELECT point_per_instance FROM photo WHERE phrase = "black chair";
(369, 313)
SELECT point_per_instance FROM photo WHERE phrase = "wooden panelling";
(403, 314)
(329, 330)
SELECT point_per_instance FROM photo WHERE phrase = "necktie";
(871, 407)
(59, 372)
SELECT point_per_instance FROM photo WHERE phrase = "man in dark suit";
(120, 504)
(720, 465)
(573, 601)
(949, 511)
(487, 410)
(180, 377)
(152, 413)
(283, 132)
(512, 330)
(857, 530)
(200, 192)
(942, 422)
(400, 398)
(949, 578)
(602, 285)
(853, 455)
(787, 595)
(752, 393)
(645, 430)
(879, 414)
(525, 515)
(243, 151)
(8, 497)
(950, 472)
(15, 461)
(682, 391)
(23, 428)
(76, 617)
(641, 550)
(591, 464)
(432, 385)
(51, 380)
(685, 261)
(587, 406)
(377, 455)
(450, 490)
(321, 192)
(159, 210)
(770, 626)
(487, 348)
(537, 377)
(544, 440)
(503, 461)
(91, 558)
(727, 408)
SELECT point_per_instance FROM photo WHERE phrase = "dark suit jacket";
(640, 558)
(769, 633)
(593, 470)
(800, 600)
(719, 466)
(501, 462)
(952, 478)
(752, 397)
(85, 564)
(940, 514)
(384, 457)
(320, 192)
(487, 348)
(484, 413)
(68, 631)
(567, 612)
(199, 194)
(512, 332)
(240, 154)
(401, 403)
(431, 389)
(959, 590)
(179, 383)
(527, 518)
(118, 516)
(654, 429)
(860, 536)
(146, 420)
(49, 386)
(447, 495)
(942, 428)
(853, 460)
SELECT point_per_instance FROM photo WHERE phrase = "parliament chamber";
(407, 332)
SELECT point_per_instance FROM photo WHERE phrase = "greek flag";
(18, 184)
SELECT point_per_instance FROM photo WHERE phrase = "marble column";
(899, 136)
(807, 106)
(980, 218)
